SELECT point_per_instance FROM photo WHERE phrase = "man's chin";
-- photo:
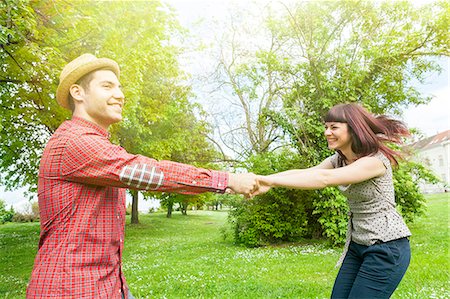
(116, 119)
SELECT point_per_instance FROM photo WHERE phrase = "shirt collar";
(85, 123)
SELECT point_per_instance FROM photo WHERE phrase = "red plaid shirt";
(81, 195)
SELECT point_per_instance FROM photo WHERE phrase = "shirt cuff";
(219, 181)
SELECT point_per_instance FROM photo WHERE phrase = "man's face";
(103, 100)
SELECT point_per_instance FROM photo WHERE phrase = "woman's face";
(338, 136)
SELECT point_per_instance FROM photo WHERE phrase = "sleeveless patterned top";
(372, 207)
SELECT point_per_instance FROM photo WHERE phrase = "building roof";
(432, 141)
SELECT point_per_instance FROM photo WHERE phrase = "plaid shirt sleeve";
(93, 159)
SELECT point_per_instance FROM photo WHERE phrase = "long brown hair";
(369, 133)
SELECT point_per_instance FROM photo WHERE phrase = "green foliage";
(320, 53)
(215, 201)
(323, 53)
(331, 208)
(285, 214)
(409, 199)
(279, 215)
(28, 215)
(25, 217)
(159, 121)
(345, 61)
(181, 201)
(27, 84)
(270, 218)
(37, 38)
(128, 209)
(5, 215)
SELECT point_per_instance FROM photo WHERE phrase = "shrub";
(276, 216)
(24, 217)
(330, 211)
(410, 199)
(31, 215)
(285, 215)
(5, 215)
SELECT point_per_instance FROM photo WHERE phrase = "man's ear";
(77, 92)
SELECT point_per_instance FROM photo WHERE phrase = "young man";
(81, 188)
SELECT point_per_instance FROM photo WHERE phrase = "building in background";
(434, 152)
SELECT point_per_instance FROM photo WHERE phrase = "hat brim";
(62, 92)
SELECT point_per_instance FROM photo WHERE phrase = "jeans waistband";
(381, 242)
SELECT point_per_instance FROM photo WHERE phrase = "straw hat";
(76, 69)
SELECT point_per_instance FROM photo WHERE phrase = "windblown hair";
(369, 133)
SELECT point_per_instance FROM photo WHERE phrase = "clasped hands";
(248, 184)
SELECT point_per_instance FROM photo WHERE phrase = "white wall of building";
(437, 157)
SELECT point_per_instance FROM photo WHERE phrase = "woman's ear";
(77, 92)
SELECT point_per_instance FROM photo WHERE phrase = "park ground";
(194, 256)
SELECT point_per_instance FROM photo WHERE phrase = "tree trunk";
(169, 208)
(184, 206)
(134, 207)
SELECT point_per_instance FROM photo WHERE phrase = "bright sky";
(433, 117)
(430, 119)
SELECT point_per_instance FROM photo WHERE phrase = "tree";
(39, 37)
(159, 121)
(325, 53)
(5, 215)
(249, 79)
(29, 113)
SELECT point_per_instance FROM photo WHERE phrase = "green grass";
(186, 257)
(428, 275)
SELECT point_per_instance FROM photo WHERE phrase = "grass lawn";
(186, 257)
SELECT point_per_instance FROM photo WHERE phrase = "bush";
(410, 199)
(28, 216)
(5, 215)
(24, 217)
(276, 216)
(331, 212)
(285, 215)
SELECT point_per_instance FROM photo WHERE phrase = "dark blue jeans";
(129, 295)
(372, 271)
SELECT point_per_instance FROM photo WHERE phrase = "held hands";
(242, 183)
(248, 184)
(264, 185)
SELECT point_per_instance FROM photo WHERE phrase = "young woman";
(377, 252)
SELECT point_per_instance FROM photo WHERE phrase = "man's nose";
(118, 94)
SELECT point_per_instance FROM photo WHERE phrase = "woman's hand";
(264, 185)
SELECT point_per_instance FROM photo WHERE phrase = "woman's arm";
(325, 164)
(323, 176)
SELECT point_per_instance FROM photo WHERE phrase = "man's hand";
(264, 185)
(243, 183)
